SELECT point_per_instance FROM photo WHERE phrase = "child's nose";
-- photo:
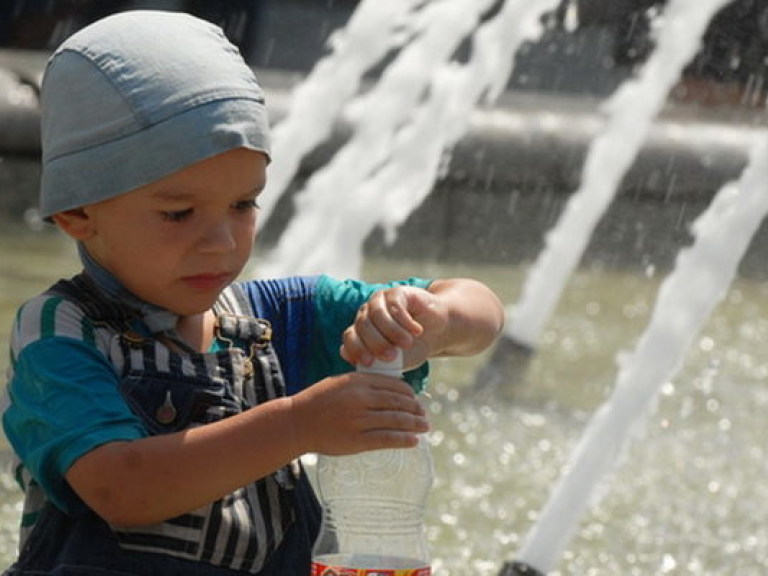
(218, 236)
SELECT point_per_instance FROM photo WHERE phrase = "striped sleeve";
(63, 395)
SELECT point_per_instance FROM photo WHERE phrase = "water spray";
(630, 113)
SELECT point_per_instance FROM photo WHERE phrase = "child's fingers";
(396, 400)
(356, 412)
(385, 322)
(393, 309)
(397, 422)
(395, 318)
(353, 350)
(385, 438)
(377, 340)
(367, 339)
(391, 428)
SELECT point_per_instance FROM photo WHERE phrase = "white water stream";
(629, 115)
(374, 29)
(700, 280)
(402, 129)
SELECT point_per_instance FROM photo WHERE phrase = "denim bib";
(266, 527)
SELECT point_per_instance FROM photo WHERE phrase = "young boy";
(157, 407)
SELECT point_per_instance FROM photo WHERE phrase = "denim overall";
(266, 528)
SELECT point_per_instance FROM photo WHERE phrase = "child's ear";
(75, 223)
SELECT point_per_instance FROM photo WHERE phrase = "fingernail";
(389, 354)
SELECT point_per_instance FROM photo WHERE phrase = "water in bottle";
(373, 508)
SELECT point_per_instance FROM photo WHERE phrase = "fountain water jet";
(723, 234)
(630, 112)
(376, 117)
(374, 29)
(405, 124)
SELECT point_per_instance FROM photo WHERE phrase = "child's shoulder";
(273, 291)
(49, 315)
(46, 310)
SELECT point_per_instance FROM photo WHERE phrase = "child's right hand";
(356, 412)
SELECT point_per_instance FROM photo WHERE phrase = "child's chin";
(200, 306)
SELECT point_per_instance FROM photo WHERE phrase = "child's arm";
(453, 317)
(152, 479)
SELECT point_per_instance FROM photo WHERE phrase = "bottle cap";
(389, 368)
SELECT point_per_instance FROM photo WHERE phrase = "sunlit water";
(688, 498)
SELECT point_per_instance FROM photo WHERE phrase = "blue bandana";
(138, 96)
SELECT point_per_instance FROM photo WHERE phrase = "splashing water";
(417, 111)
(377, 116)
(629, 116)
(374, 29)
(723, 234)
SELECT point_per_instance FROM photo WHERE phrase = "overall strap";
(234, 301)
(97, 307)
(245, 328)
(236, 324)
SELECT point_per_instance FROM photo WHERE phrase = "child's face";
(179, 241)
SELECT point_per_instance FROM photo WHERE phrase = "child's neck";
(197, 330)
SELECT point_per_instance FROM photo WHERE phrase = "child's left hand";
(399, 317)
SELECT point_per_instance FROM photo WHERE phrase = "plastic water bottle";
(373, 508)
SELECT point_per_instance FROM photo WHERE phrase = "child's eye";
(177, 215)
(245, 205)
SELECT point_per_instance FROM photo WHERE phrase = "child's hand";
(356, 412)
(400, 317)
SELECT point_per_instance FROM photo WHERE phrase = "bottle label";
(320, 569)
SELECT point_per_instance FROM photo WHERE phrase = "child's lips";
(208, 281)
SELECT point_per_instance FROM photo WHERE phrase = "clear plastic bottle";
(373, 508)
